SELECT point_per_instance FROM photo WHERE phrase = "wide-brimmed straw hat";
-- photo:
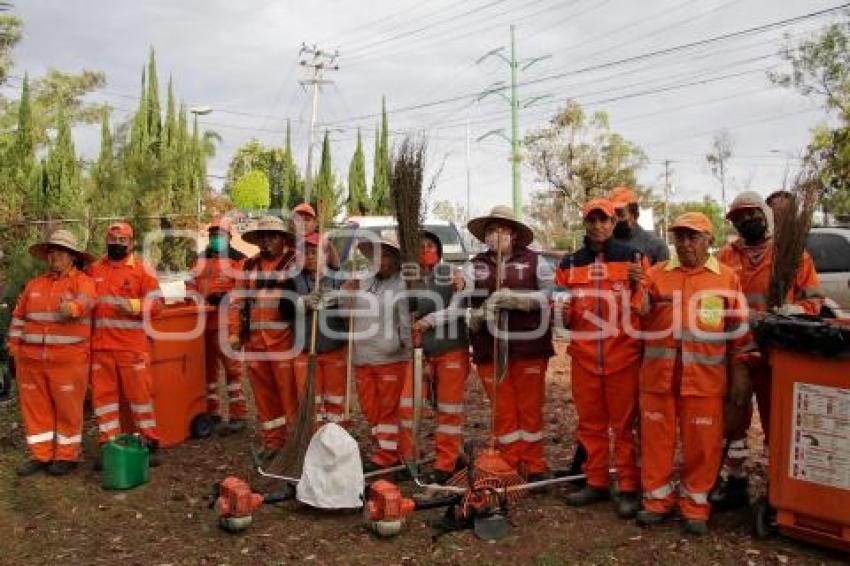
(503, 215)
(366, 246)
(264, 225)
(60, 239)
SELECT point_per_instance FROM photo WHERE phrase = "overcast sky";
(241, 59)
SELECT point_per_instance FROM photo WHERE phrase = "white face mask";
(492, 240)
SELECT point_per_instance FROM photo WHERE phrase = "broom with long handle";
(291, 458)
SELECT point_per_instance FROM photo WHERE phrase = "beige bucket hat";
(60, 239)
(267, 224)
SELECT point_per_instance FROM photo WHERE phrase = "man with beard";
(751, 257)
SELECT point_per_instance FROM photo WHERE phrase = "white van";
(454, 248)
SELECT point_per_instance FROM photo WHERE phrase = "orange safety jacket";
(263, 280)
(213, 276)
(40, 330)
(696, 317)
(596, 287)
(755, 279)
(115, 282)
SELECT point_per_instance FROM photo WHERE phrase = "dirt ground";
(46, 520)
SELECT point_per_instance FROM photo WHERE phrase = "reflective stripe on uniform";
(17, 322)
(274, 423)
(386, 429)
(212, 386)
(659, 492)
(388, 444)
(406, 423)
(738, 449)
(119, 324)
(531, 436)
(150, 423)
(111, 300)
(15, 333)
(657, 353)
(104, 409)
(146, 408)
(703, 359)
(450, 408)
(449, 429)
(704, 337)
(110, 425)
(67, 440)
(234, 387)
(510, 438)
(335, 399)
(406, 403)
(212, 396)
(698, 498)
(39, 438)
(52, 339)
(269, 325)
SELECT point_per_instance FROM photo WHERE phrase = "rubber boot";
(647, 518)
(588, 495)
(695, 527)
(61, 467)
(628, 505)
(731, 493)
(30, 467)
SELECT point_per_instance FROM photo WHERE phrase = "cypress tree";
(170, 129)
(381, 184)
(63, 196)
(153, 118)
(24, 138)
(357, 196)
(325, 181)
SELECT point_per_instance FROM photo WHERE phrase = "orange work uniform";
(213, 276)
(604, 357)
(50, 340)
(269, 338)
(694, 325)
(754, 265)
(121, 365)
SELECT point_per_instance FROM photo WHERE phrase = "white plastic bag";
(333, 474)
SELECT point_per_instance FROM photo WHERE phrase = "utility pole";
(497, 88)
(318, 62)
(665, 224)
(468, 172)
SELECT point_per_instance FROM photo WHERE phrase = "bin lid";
(803, 333)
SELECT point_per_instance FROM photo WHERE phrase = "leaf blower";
(235, 503)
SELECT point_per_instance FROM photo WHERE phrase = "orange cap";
(602, 204)
(120, 229)
(304, 208)
(312, 239)
(622, 196)
(221, 223)
(696, 221)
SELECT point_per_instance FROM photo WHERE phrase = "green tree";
(380, 197)
(358, 199)
(820, 69)
(328, 196)
(580, 157)
(62, 193)
(153, 120)
(718, 158)
(10, 34)
(251, 191)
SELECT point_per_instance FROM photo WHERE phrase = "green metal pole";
(515, 156)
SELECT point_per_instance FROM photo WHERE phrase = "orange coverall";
(51, 349)
(605, 359)
(121, 366)
(214, 277)
(755, 280)
(272, 380)
(692, 321)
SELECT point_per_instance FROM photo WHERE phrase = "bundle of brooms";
(791, 226)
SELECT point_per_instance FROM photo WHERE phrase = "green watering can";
(125, 463)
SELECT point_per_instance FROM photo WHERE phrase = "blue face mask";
(218, 243)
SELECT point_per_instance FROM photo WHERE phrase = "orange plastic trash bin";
(809, 479)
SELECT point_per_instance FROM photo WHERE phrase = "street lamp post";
(199, 111)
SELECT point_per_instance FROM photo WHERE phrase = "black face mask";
(752, 230)
(116, 252)
(622, 230)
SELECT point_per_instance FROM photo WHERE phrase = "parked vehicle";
(829, 247)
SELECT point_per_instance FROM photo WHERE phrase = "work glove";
(234, 341)
(476, 318)
(738, 397)
(790, 309)
(422, 325)
(313, 301)
(66, 309)
(506, 299)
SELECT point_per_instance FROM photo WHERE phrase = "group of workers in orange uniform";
(659, 348)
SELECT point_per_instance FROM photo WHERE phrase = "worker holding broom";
(127, 294)
(595, 288)
(441, 326)
(49, 338)
(694, 324)
(256, 325)
(510, 287)
(381, 348)
(213, 276)
(751, 256)
(304, 297)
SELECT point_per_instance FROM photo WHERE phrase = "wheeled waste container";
(809, 480)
